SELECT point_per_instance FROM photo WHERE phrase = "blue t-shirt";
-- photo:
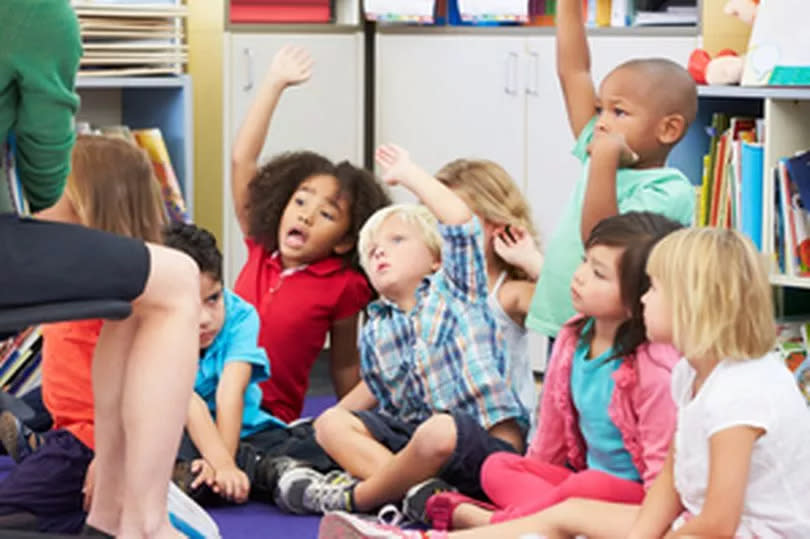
(591, 390)
(237, 341)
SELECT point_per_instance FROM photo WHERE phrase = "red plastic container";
(281, 11)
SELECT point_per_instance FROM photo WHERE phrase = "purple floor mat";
(255, 519)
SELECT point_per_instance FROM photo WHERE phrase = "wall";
(205, 38)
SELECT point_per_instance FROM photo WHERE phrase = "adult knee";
(436, 438)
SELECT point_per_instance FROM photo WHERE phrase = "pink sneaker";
(341, 525)
(439, 508)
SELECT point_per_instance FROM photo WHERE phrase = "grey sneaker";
(303, 490)
(270, 469)
(415, 503)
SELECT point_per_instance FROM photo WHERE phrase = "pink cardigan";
(641, 407)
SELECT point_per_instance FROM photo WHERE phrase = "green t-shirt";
(661, 190)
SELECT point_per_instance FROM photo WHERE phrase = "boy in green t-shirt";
(624, 135)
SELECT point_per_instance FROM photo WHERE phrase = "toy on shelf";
(725, 67)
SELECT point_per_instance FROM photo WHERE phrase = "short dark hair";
(199, 244)
(275, 183)
(636, 233)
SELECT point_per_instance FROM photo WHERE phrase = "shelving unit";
(144, 102)
(786, 112)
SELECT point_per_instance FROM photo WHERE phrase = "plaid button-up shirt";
(445, 354)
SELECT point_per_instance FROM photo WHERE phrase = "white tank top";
(517, 343)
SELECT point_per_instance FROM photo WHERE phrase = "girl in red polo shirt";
(300, 215)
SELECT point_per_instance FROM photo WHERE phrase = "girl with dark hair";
(300, 215)
(606, 415)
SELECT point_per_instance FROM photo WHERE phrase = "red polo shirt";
(297, 308)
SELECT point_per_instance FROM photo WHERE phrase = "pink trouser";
(521, 486)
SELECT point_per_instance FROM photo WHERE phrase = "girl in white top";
(739, 464)
(513, 258)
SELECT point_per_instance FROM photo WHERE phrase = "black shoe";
(415, 503)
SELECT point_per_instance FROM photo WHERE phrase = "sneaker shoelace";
(324, 496)
(390, 515)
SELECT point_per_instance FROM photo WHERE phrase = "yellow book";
(603, 8)
(705, 194)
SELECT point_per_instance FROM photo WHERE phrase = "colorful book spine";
(151, 140)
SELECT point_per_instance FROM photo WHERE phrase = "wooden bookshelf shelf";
(779, 279)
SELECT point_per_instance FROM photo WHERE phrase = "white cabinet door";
(551, 170)
(324, 115)
(452, 96)
(608, 52)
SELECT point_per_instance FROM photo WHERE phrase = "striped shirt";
(445, 354)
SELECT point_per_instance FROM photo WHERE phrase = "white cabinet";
(450, 96)
(325, 115)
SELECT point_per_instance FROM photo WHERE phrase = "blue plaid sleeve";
(463, 262)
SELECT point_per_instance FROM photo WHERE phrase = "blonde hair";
(492, 195)
(415, 214)
(716, 283)
(112, 187)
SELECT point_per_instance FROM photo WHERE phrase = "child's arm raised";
(729, 462)
(439, 199)
(661, 505)
(574, 65)
(290, 66)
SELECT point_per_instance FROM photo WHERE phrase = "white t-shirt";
(759, 393)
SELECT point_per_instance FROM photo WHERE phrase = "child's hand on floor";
(291, 65)
(89, 483)
(396, 164)
(232, 484)
(203, 473)
(611, 144)
(516, 247)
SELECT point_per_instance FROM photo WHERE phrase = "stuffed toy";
(727, 66)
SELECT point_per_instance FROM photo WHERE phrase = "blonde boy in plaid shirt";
(433, 367)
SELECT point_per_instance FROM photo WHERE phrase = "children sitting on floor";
(512, 256)
(300, 215)
(625, 133)
(228, 435)
(431, 358)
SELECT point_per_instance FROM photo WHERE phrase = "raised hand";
(291, 65)
(396, 164)
(516, 247)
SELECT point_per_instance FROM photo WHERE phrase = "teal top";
(592, 390)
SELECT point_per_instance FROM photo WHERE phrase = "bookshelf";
(143, 102)
(786, 115)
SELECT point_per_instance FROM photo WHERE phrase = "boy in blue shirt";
(227, 432)
(624, 132)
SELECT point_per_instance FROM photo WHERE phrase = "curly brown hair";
(276, 182)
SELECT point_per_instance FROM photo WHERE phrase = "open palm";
(291, 65)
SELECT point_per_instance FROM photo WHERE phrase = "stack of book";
(131, 37)
(20, 362)
(793, 343)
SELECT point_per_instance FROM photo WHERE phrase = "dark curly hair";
(276, 182)
(636, 233)
(197, 243)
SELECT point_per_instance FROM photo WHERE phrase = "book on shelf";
(793, 344)
(152, 141)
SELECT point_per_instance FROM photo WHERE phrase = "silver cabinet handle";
(510, 86)
(533, 83)
(248, 69)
